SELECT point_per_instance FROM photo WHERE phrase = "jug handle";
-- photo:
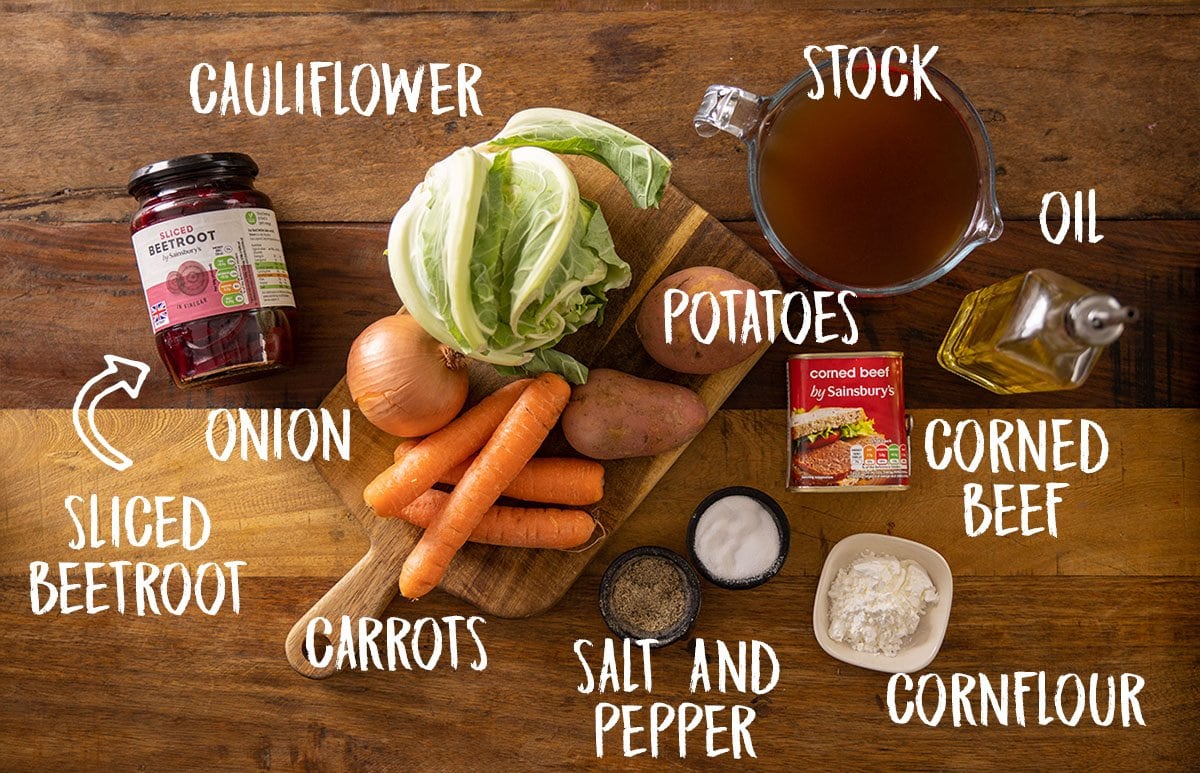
(729, 109)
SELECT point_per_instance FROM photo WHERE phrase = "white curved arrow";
(131, 381)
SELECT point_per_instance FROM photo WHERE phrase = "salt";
(737, 539)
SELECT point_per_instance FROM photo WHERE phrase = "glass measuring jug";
(879, 195)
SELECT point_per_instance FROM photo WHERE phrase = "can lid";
(152, 175)
(851, 355)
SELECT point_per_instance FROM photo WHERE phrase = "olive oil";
(868, 192)
(1035, 332)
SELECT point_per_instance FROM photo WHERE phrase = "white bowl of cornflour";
(883, 603)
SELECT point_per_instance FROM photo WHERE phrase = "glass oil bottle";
(1035, 332)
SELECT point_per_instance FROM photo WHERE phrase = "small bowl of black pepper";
(650, 593)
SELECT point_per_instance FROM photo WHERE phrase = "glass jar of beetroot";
(208, 251)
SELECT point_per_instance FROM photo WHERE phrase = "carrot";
(396, 487)
(553, 480)
(513, 444)
(517, 527)
(404, 447)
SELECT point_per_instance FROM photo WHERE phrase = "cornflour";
(876, 602)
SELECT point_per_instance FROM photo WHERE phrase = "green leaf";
(550, 361)
(495, 253)
(859, 428)
(642, 168)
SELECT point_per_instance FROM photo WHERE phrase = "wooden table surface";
(1075, 96)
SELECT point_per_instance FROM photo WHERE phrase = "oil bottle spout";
(1099, 319)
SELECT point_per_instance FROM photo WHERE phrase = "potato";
(685, 354)
(617, 416)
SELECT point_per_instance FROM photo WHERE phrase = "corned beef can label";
(847, 430)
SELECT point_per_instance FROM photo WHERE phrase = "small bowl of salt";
(738, 537)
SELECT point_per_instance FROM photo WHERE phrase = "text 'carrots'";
(552, 480)
(517, 527)
(521, 432)
(399, 485)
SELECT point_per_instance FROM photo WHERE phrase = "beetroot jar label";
(212, 263)
(847, 429)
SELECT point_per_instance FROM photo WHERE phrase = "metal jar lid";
(153, 175)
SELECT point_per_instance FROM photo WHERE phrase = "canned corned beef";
(847, 429)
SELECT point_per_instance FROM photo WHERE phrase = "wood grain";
(1156, 363)
(72, 685)
(1066, 96)
(1074, 96)
(241, 7)
(42, 462)
(215, 693)
(1137, 516)
(363, 592)
(61, 279)
(512, 582)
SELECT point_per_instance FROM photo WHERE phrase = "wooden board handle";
(365, 591)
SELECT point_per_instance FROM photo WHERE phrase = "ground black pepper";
(649, 596)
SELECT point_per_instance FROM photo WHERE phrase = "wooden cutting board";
(511, 582)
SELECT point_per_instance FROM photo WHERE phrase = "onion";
(404, 380)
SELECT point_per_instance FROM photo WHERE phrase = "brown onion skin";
(405, 381)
